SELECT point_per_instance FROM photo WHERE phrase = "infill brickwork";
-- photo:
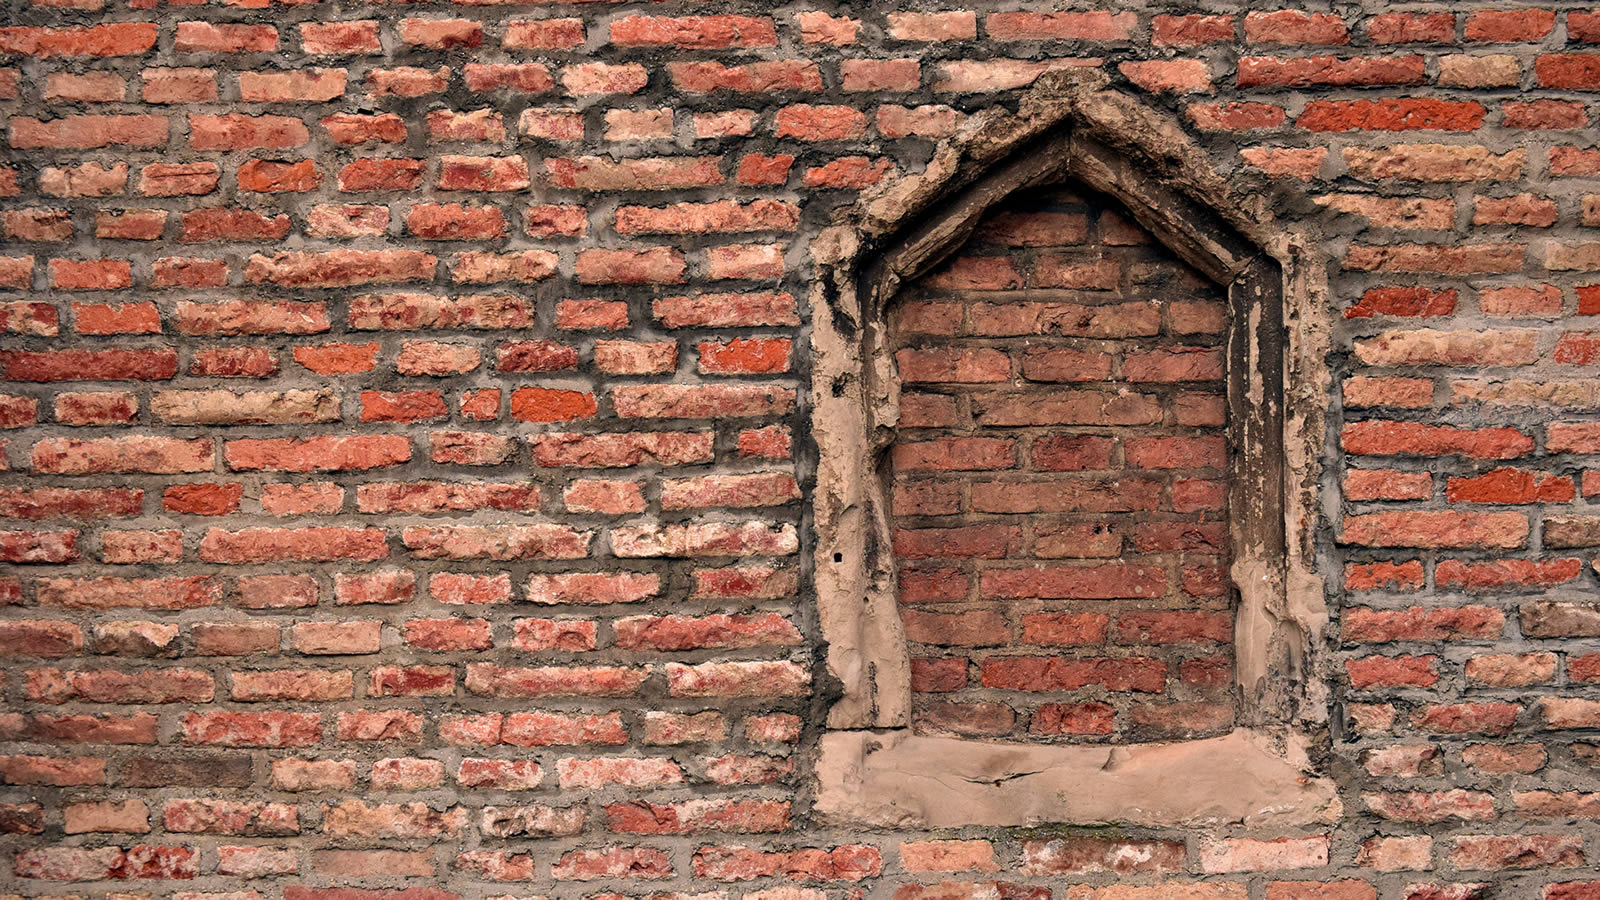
(1059, 482)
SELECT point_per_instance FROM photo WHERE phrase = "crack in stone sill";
(996, 782)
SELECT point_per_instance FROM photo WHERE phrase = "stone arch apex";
(1071, 126)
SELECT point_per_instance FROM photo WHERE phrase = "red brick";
(726, 310)
(1191, 30)
(1391, 115)
(205, 37)
(1508, 485)
(527, 78)
(613, 862)
(146, 593)
(365, 175)
(93, 87)
(203, 225)
(1515, 573)
(455, 222)
(337, 359)
(1511, 670)
(758, 169)
(1174, 628)
(439, 496)
(551, 405)
(821, 28)
(685, 633)
(1406, 393)
(486, 679)
(130, 225)
(1570, 71)
(240, 729)
(20, 412)
(43, 225)
(332, 220)
(40, 638)
(441, 34)
(1404, 28)
(407, 81)
(1576, 348)
(1177, 75)
(340, 268)
(1293, 27)
(1521, 301)
(849, 863)
(349, 129)
(188, 272)
(1423, 624)
(1305, 71)
(772, 442)
(90, 275)
(1506, 26)
(1057, 674)
(483, 125)
(1235, 116)
(340, 38)
(66, 456)
(820, 123)
(657, 265)
(87, 180)
(263, 545)
(50, 503)
(594, 79)
(122, 39)
(1437, 529)
(178, 85)
(98, 408)
(738, 679)
(301, 499)
(1387, 484)
(1517, 852)
(1378, 438)
(1070, 26)
(16, 272)
(309, 85)
(176, 180)
(243, 132)
(402, 406)
(318, 454)
(534, 635)
(731, 816)
(1543, 114)
(635, 358)
(881, 74)
(543, 34)
(1382, 672)
(693, 32)
(592, 588)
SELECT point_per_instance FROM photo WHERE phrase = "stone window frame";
(870, 769)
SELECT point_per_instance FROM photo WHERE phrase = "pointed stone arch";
(1070, 127)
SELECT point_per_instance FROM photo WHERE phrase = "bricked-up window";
(965, 272)
(1059, 482)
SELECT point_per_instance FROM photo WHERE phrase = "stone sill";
(895, 779)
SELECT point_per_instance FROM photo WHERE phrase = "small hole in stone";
(838, 557)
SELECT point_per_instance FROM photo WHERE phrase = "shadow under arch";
(872, 770)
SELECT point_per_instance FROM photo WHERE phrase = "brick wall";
(1060, 482)
(404, 440)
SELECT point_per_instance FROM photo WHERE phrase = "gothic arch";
(1070, 127)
